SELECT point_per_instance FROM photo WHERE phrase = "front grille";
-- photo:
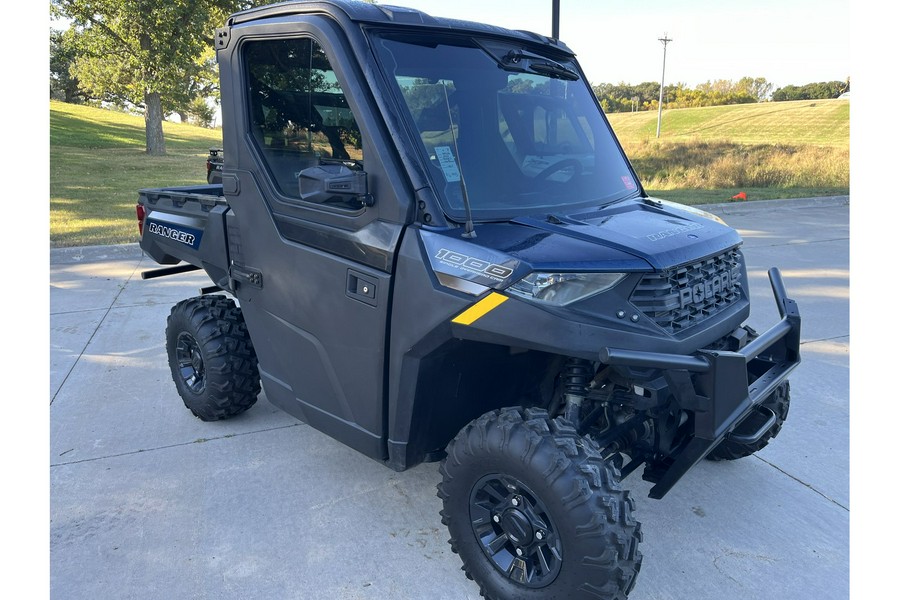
(686, 296)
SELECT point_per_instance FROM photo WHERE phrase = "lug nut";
(496, 518)
(539, 535)
(515, 501)
(518, 552)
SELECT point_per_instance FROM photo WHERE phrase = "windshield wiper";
(522, 60)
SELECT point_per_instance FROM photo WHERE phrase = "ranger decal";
(187, 236)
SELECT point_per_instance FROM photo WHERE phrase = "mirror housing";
(334, 183)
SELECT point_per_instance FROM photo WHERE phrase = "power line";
(662, 82)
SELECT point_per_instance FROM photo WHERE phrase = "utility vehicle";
(428, 243)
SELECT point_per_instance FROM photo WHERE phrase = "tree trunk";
(156, 143)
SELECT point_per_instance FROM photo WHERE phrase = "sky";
(617, 41)
(785, 41)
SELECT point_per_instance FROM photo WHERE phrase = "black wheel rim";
(515, 530)
(190, 363)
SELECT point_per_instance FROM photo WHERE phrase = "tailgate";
(186, 224)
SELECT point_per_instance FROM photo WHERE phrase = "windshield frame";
(487, 45)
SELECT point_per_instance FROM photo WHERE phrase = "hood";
(630, 236)
(663, 236)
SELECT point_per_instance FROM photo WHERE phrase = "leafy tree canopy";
(812, 91)
(624, 97)
(63, 86)
(154, 54)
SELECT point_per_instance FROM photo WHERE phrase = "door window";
(299, 116)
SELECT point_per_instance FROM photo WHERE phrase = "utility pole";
(662, 82)
(555, 24)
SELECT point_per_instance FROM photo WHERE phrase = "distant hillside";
(801, 122)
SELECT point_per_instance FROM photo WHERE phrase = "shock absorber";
(576, 377)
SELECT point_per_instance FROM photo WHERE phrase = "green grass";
(705, 155)
(768, 150)
(801, 122)
(98, 163)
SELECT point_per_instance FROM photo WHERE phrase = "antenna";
(555, 20)
(470, 225)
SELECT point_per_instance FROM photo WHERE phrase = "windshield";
(514, 131)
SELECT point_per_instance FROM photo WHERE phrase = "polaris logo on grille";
(708, 289)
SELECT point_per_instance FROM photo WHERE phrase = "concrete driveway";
(148, 502)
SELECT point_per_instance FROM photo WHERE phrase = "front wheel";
(211, 357)
(534, 511)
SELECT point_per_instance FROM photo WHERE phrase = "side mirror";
(334, 183)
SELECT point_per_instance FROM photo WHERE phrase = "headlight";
(560, 289)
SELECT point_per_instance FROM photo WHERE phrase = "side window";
(299, 116)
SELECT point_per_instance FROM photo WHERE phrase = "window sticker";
(629, 182)
(447, 162)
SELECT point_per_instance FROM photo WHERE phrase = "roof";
(364, 12)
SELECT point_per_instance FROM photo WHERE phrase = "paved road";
(148, 502)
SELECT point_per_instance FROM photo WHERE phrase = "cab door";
(313, 272)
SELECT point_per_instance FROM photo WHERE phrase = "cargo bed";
(186, 224)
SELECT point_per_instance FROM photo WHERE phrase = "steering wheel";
(562, 165)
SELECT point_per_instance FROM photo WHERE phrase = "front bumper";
(722, 388)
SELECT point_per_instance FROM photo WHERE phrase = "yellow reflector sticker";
(481, 308)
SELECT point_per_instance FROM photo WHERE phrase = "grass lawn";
(799, 122)
(98, 163)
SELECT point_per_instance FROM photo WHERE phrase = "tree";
(62, 54)
(200, 83)
(812, 91)
(624, 97)
(143, 52)
(755, 87)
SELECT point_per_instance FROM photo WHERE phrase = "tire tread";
(599, 509)
(232, 371)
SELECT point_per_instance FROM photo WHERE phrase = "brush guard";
(722, 388)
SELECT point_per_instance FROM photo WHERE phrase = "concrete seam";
(800, 481)
(96, 329)
(828, 339)
(169, 446)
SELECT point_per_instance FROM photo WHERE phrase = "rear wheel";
(779, 402)
(535, 512)
(211, 357)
